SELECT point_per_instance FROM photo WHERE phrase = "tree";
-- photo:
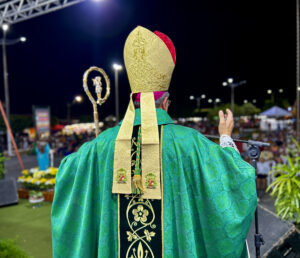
(247, 109)
(17, 122)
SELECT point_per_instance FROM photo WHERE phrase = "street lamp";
(269, 91)
(280, 90)
(7, 42)
(210, 101)
(254, 101)
(217, 100)
(232, 85)
(245, 101)
(117, 68)
(77, 99)
(198, 99)
(5, 27)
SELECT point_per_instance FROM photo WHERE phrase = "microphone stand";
(253, 153)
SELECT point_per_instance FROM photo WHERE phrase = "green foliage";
(9, 249)
(2, 168)
(54, 120)
(247, 109)
(36, 194)
(279, 101)
(286, 187)
(18, 122)
(86, 118)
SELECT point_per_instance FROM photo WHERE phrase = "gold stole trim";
(122, 156)
(150, 163)
(150, 148)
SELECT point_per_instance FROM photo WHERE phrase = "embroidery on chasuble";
(140, 226)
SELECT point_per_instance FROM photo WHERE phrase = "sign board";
(42, 120)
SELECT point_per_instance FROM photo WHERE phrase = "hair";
(157, 102)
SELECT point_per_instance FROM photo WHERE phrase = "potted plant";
(286, 187)
(37, 180)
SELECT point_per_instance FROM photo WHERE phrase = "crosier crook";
(98, 88)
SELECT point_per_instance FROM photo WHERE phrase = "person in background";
(42, 151)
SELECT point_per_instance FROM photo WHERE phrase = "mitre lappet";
(149, 60)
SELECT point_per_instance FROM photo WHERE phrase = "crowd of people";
(280, 143)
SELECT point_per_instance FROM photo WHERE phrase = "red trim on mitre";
(168, 43)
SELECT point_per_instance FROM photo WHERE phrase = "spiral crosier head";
(98, 85)
(98, 90)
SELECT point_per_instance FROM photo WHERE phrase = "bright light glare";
(298, 88)
(23, 39)
(254, 101)
(210, 101)
(218, 100)
(78, 99)
(230, 80)
(245, 101)
(280, 90)
(224, 84)
(289, 108)
(192, 97)
(269, 91)
(117, 67)
(5, 27)
(203, 96)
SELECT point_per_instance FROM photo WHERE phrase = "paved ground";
(270, 226)
(13, 169)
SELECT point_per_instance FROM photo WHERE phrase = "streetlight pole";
(4, 42)
(232, 98)
(77, 99)
(6, 90)
(297, 74)
(217, 100)
(117, 68)
(233, 85)
(198, 100)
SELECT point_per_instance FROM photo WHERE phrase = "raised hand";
(226, 123)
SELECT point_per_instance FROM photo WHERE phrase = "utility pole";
(297, 74)
(232, 85)
(117, 68)
(6, 90)
(7, 42)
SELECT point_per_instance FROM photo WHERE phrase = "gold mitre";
(148, 61)
(149, 66)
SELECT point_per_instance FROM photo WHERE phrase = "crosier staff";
(98, 89)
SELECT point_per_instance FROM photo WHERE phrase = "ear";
(164, 104)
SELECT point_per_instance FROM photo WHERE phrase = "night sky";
(245, 40)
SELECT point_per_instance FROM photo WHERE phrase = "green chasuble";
(207, 206)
